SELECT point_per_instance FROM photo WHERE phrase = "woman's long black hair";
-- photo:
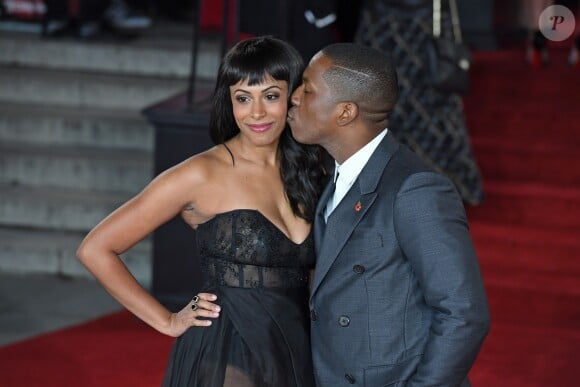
(253, 60)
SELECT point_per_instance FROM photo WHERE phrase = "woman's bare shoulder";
(200, 168)
(202, 178)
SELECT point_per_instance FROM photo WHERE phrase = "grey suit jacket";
(397, 297)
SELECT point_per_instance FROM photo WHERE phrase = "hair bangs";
(255, 69)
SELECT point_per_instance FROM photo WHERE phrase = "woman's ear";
(347, 112)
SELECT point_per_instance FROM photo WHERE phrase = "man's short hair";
(362, 75)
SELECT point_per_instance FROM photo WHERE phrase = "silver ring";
(194, 302)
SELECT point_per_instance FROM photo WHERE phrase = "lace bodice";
(242, 248)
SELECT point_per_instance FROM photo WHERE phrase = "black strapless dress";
(261, 338)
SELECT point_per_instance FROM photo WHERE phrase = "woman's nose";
(257, 110)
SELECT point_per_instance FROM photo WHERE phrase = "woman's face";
(260, 110)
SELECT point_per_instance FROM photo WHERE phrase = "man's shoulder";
(407, 162)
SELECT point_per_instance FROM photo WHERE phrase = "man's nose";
(295, 97)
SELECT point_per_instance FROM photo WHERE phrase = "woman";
(251, 199)
(429, 121)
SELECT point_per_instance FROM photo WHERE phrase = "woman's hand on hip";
(197, 313)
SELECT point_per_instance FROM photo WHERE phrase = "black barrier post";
(181, 130)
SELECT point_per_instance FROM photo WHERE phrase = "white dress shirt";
(346, 173)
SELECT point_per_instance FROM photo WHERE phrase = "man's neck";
(346, 149)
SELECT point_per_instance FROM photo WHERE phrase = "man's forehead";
(320, 60)
(317, 65)
(317, 56)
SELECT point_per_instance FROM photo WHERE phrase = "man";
(397, 297)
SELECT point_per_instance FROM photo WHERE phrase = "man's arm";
(432, 230)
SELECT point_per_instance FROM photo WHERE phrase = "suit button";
(358, 269)
(313, 315)
(350, 378)
(343, 321)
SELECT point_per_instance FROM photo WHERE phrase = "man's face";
(310, 117)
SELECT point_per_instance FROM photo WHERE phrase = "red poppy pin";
(357, 206)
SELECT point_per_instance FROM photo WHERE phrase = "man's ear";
(347, 112)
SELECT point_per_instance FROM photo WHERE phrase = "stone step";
(56, 125)
(165, 50)
(55, 208)
(27, 251)
(78, 89)
(85, 168)
(74, 145)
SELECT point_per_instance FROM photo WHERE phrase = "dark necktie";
(330, 201)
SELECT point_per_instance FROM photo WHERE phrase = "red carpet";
(525, 127)
(114, 351)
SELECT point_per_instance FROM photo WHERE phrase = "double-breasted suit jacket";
(397, 297)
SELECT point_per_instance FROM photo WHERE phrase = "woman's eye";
(242, 98)
(272, 97)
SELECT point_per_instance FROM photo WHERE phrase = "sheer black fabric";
(261, 338)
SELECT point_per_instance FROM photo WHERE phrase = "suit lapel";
(351, 209)
(341, 224)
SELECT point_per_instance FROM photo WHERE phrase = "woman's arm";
(164, 198)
